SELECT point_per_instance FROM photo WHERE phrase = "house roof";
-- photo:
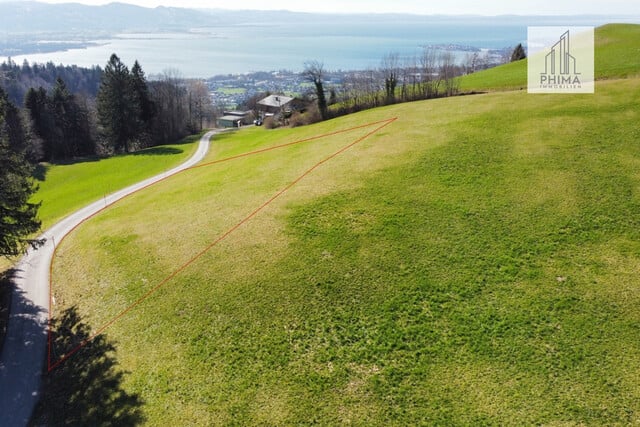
(230, 118)
(237, 113)
(275, 101)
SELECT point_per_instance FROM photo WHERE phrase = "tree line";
(16, 79)
(121, 112)
(432, 74)
(127, 113)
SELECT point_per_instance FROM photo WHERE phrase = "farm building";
(235, 119)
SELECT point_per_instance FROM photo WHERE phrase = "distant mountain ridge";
(34, 17)
(29, 17)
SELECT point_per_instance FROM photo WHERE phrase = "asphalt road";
(23, 355)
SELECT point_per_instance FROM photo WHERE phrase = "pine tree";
(518, 53)
(18, 217)
(12, 124)
(72, 123)
(60, 121)
(36, 103)
(118, 109)
(147, 107)
(59, 104)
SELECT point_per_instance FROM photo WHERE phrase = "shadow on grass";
(157, 151)
(86, 389)
(40, 171)
(189, 139)
(77, 160)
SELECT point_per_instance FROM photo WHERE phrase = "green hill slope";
(473, 263)
(65, 188)
(617, 51)
(617, 56)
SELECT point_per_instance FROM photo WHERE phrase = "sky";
(425, 7)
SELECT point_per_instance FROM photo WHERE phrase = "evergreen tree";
(81, 127)
(18, 79)
(118, 109)
(18, 217)
(518, 53)
(147, 108)
(59, 104)
(60, 122)
(71, 122)
(36, 103)
(12, 125)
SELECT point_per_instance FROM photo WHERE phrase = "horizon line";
(336, 13)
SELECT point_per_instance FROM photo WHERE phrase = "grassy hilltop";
(617, 56)
(473, 263)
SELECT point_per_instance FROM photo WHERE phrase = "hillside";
(617, 56)
(35, 17)
(65, 188)
(471, 263)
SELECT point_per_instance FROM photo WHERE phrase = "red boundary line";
(288, 144)
(51, 367)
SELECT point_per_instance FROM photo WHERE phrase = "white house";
(275, 104)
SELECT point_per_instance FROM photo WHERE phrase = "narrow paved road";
(23, 354)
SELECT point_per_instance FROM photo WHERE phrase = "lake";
(342, 44)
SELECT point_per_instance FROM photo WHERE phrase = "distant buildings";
(275, 104)
(230, 91)
(235, 119)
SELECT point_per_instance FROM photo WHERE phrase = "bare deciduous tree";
(200, 104)
(314, 73)
(170, 97)
(390, 68)
(429, 72)
(448, 73)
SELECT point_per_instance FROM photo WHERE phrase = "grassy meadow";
(232, 90)
(617, 56)
(65, 188)
(473, 263)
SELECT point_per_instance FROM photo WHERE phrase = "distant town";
(231, 90)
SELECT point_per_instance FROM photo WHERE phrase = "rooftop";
(276, 101)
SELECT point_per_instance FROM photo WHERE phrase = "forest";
(67, 112)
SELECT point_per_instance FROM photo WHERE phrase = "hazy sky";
(476, 7)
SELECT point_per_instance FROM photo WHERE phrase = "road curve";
(23, 354)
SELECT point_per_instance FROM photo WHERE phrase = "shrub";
(270, 123)
(311, 116)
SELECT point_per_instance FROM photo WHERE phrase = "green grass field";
(474, 263)
(617, 56)
(232, 90)
(64, 188)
